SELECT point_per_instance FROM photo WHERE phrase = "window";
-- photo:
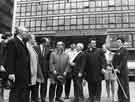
(86, 19)
(125, 18)
(79, 20)
(67, 20)
(112, 19)
(92, 19)
(132, 17)
(73, 20)
(61, 21)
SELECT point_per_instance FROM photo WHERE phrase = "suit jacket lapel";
(21, 43)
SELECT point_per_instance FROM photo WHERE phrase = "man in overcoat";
(94, 63)
(120, 65)
(18, 67)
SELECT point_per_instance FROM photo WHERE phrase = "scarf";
(74, 56)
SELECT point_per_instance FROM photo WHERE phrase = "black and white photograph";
(67, 50)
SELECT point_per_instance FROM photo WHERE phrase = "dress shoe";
(66, 97)
(75, 100)
(43, 100)
(58, 100)
(51, 101)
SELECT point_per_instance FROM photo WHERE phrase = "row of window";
(44, 8)
(74, 27)
(93, 2)
(125, 18)
(68, 11)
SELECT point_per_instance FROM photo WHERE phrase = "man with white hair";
(71, 52)
(78, 67)
(18, 66)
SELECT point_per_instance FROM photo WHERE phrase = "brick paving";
(104, 94)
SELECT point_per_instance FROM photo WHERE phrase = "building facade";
(6, 15)
(76, 17)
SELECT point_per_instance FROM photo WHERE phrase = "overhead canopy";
(72, 33)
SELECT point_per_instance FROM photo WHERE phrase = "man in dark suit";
(77, 71)
(120, 64)
(70, 52)
(44, 63)
(93, 69)
(18, 67)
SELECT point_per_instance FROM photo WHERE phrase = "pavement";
(103, 96)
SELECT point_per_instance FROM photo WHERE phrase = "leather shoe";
(58, 100)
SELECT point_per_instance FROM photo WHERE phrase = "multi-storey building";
(77, 17)
(6, 14)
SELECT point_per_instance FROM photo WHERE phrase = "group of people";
(30, 64)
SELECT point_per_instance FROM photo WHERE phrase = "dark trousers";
(43, 90)
(68, 85)
(94, 91)
(125, 84)
(52, 90)
(34, 92)
(1, 94)
(19, 95)
(78, 89)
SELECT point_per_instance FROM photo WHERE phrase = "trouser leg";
(91, 92)
(67, 86)
(94, 91)
(125, 85)
(98, 91)
(13, 95)
(34, 92)
(52, 91)
(43, 90)
(19, 95)
(59, 90)
(78, 89)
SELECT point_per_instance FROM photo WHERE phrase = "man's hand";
(79, 74)
(54, 72)
(116, 70)
(103, 70)
(65, 73)
(84, 82)
(72, 64)
(12, 77)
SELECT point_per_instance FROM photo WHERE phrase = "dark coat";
(3, 55)
(120, 62)
(44, 60)
(79, 63)
(3, 52)
(95, 61)
(18, 62)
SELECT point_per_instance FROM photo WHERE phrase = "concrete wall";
(6, 13)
